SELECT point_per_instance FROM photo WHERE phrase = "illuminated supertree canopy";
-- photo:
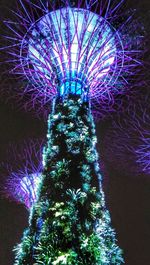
(74, 49)
(82, 47)
(77, 55)
(23, 170)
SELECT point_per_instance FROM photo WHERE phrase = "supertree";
(22, 170)
(71, 54)
(128, 139)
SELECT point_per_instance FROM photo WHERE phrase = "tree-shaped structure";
(71, 54)
(128, 136)
(22, 170)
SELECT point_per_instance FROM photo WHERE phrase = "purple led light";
(126, 143)
(108, 76)
(23, 173)
(72, 45)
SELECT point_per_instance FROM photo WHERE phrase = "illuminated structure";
(46, 50)
(23, 175)
(76, 58)
(75, 50)
(69, 222)
(128, 135)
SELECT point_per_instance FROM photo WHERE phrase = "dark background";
(128, 198)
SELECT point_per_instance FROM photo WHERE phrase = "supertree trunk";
(69, 223)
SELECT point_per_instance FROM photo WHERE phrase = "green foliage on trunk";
(69, 223)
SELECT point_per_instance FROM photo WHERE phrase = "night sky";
(127, 197)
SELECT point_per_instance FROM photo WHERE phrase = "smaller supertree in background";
(127, 139)
(22, 170)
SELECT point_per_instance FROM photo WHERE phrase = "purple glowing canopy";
(72, 50)
(25, 187)
(23, 171)
(83, 47)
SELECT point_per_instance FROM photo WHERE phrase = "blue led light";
(71, 88)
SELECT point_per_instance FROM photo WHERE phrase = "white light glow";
(72, 40)
(29, 185)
